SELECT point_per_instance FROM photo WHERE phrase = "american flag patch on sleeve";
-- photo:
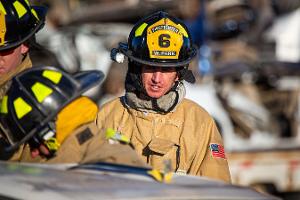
(217, 150)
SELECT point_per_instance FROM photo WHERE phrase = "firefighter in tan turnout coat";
(166, 130)
(45, 119)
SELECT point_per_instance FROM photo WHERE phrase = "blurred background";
(247, 71)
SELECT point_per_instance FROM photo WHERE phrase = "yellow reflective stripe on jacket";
(112, 134)
(160, 177)
(52, 144)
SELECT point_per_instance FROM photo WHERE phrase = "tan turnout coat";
(5, 79)
(182, 137)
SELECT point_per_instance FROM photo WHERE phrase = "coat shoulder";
(191, 106)
(115, 105)
(110, 112)
(112, 102)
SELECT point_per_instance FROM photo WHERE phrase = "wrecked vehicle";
(109, 181)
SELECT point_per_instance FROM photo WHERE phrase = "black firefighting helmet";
(19, 21)
(159, 40)
(35, 97)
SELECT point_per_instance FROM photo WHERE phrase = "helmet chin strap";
(186, 74)
(24, 56)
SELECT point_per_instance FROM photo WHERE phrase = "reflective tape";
(27, 2)
(21, 107)
(21, 10)
(41, 91)
(52, 144)
(2, 9)
(161, 177)
(4, 105)
(112, 134)
(34, 13)
(139, 31)
(52, 75)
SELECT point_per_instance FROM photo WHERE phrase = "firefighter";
(19, 21)
(166, 130)
(44, 118)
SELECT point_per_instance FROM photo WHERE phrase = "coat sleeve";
(75, 146)
(100, 120)
(214, 164)
(100, 150)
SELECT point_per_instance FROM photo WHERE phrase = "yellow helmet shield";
(2, 26)
(165, 39)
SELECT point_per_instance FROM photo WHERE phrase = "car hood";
(109, 181)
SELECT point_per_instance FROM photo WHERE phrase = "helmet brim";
(124, 49)
(41, 12)
(89, 79)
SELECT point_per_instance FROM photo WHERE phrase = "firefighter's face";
(11, 58)
(157, 81)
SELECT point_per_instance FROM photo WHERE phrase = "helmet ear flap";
(134, 67)
(187, 75)
(133, 79)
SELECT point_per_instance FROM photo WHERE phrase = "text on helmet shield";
(164, 39)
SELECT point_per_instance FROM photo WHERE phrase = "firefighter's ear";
(24, 48)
